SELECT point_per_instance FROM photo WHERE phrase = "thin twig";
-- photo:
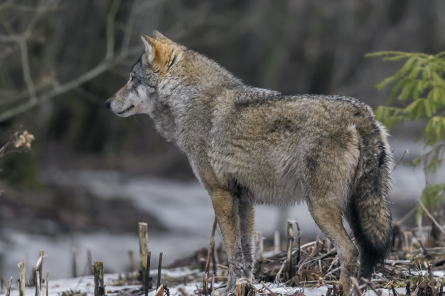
(111, 17)
(356, 286)
(267, 288)
(158, 284)
(26, 69)
(129, 26)
(431, 217)
(403, 155)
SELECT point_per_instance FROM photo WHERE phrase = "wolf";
(249, 146)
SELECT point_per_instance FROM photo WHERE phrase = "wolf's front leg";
(247, 220)
(226, 211)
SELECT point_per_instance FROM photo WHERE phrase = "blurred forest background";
(60, 60)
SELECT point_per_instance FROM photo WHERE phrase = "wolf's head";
(140, 93)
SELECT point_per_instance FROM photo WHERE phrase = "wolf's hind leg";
(247, 221)
(329, 219)
(226, 211)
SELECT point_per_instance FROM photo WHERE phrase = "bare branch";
(10, 38)
(108, 63)
(99, 69)
(6, 4)
(129, 27)
(26, 69)
(110, 28)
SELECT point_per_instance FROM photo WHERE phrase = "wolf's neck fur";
(181, 92)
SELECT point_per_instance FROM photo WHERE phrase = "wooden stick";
(38, 272)
(74, 263)
(431, 217)
(132, 262)
(99, 289)
(22, 266)
(371, 286)
(244, 288)
(183, 291)
(158, 284)
(356, 287)
(299, 242)
(213, 283)
(276, 242)
(212, 242)
(419, 227)
(160, 291)
(89, 261)
(407, 245)
(143, 248)
(267, 288)
(8, 291)
(209, 256)
(40, 266)
(214, 259)
(38, 281)
(147, 284)
(290, 240)
(47, 282)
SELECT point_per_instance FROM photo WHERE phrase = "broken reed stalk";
(290, 240)
(183, 291)
(22, 266)
(258, 239)
(299, 242)
(38, 281)
(143, 248)
(47, 282)
(209, 256)
(89, 261)
(132, 262)
(74, 263)
(407, 244)
(8, 290)
(430, 272)
(268, 289)
(147, 284)
(357, 290)
(99, 288)
(214, 259)
(158, 284)
(244, 288)
(160, 291)
(431, 217)
(39, 273)
(276, 242)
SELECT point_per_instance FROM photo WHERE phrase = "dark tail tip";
(374, 238)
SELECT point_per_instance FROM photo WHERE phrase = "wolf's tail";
(368, 210)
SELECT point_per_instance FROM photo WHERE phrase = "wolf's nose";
(107, 103)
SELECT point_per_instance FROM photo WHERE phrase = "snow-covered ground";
(86, 285)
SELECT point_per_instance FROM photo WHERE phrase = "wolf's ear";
(150, 46)
(161, 37)
(158, 53)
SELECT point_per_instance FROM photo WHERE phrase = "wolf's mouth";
(129, 108)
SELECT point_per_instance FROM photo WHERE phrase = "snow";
(86, 285)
